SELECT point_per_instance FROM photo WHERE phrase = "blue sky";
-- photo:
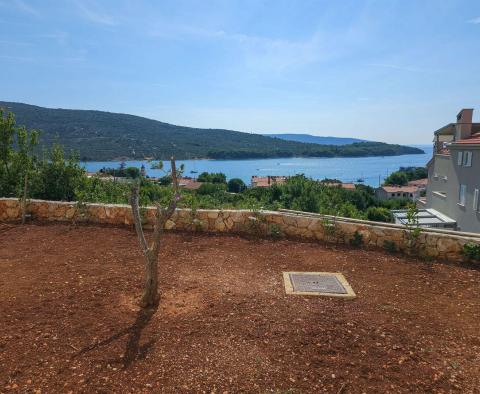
(385, 70)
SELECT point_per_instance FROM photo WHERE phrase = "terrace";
(225, 323)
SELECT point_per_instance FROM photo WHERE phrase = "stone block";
(290, 221)
(348, 228)
(13, 212)
(448, 245)
(229, 223)
(315, 225)
(70, 212)
(169, 225)
(303, 222)
(213, 214)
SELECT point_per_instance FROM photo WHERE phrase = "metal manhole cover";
(317, 283)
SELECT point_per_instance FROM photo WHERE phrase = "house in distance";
(453, 188)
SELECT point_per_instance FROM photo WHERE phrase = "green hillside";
(98, 135)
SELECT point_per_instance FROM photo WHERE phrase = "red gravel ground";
(69, 320)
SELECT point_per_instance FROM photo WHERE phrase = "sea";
(368, 170)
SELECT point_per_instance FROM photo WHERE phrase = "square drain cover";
(317, 283)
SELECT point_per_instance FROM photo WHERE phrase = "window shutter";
(469, 159)
(462, 193)
(460, 158)
(475, 200)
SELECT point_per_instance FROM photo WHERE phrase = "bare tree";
(150, 295)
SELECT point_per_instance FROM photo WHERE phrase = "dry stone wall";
(433, 243)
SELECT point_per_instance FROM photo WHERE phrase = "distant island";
(103, 136)
(316, 139)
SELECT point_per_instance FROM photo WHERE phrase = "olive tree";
(8, 179)
(17, 159)
(150, 296)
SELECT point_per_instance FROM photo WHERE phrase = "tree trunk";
(150, 295)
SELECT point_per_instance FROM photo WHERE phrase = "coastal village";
(413, 191)
(458, 209)
(266, 197)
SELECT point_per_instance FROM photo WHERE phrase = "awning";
(426, 218)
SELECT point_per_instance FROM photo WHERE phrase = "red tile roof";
(473, 140)
(348, 186)
(189, 183)
(400, 189)
(267, 181)
(419, 182)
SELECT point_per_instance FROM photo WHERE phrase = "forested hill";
(98, 135)
(316, 139)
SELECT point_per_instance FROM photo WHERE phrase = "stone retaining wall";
(433, 243)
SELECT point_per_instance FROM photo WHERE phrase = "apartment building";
(454, 172)
(395, 192)
(267, 181)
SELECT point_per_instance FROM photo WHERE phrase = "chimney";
(463, 128)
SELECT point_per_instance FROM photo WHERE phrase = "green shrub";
(471, 251)
(236, 185)
(332, 231)
(412, 230)
(397, 178)
(357, 239)
(211, 189)
(379, 214)
(390, 246)
(212, 177)
(122, 171)
(57, 176)
(165, 180)
(275, 231)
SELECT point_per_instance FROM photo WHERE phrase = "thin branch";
(134, 202)
(164, 214)
(174, 174)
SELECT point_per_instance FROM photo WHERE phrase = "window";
(475, 199)
(467, 159)
(462, 195)
(464, 158)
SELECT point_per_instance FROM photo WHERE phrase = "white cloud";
(262, 53)
(92, 14)
(475, 20)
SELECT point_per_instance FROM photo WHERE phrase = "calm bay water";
(371, 169)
